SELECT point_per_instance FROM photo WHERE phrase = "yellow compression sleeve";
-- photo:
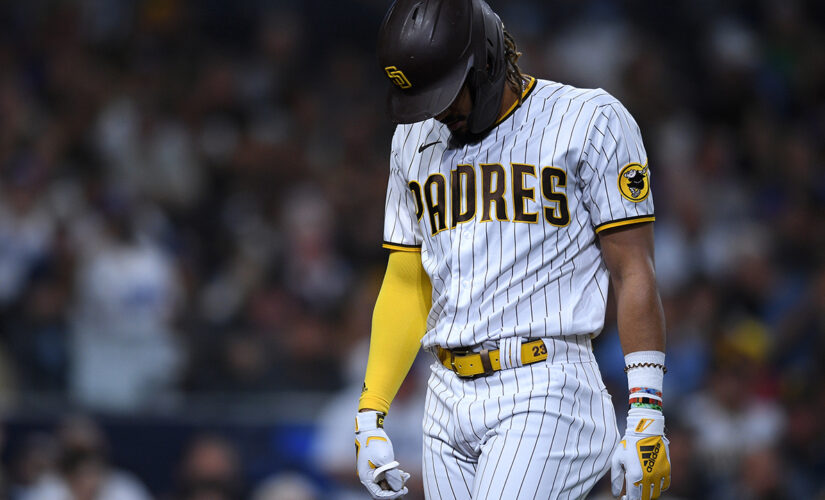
(398, 323)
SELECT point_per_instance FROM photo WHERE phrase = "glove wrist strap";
(369, 421)
(645, 422)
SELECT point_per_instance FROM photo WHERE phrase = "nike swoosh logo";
(425, 146)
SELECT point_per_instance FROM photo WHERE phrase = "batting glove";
(642, 458)
(375, 461)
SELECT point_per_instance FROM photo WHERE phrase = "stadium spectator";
(83, 471)
(209, 470)
(286, 486)
(124, 349)
(35, 459)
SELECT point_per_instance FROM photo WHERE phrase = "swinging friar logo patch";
(634, 183)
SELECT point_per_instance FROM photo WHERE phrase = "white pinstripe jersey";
(507, 227)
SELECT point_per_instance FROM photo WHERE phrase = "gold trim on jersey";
(625, 222)
(529, 88)
(400, 247)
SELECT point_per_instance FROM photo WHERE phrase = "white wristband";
(650, 376)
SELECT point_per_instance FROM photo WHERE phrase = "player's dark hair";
(513, 76)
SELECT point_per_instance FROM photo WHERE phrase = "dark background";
(191, 206)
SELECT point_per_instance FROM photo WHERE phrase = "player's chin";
(462, 137)
(457, 125)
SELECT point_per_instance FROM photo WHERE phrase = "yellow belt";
(485, 362)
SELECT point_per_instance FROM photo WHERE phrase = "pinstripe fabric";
(497, 279)
(524, 263)
(542, 431)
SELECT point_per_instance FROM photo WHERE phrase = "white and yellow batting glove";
(641, 460)
(374, 458)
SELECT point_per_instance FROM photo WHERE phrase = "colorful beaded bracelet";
(654, 392)
(645, 402)
(649, 406)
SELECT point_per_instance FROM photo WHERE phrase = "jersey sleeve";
(615, 171)
(401, 228)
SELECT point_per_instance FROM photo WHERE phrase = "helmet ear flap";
(475, 79)
(491, 57)
(487, 84)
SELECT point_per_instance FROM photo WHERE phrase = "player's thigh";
(557, 447)
(447, 473)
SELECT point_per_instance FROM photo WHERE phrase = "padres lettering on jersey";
(460, 195)
(507, 227)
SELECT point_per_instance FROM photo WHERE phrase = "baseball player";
(511, 202)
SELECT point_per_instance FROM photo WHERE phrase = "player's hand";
(374, 458)
(642, 458)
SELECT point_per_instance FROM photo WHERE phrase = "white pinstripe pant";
(542, 431)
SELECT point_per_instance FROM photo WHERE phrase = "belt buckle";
(484, 355)
(452, 361)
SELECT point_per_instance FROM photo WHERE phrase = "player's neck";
(508, 98)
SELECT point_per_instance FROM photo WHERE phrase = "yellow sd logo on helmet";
(397, 76)
(634, 183)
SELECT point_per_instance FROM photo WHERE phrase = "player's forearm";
(628, 254)
(398, 323)
(641, 319)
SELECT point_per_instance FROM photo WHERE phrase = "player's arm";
(398, 323)
(642, 458)
(628, 254)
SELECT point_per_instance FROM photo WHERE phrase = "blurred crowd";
(191, 206)
(74, 463)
